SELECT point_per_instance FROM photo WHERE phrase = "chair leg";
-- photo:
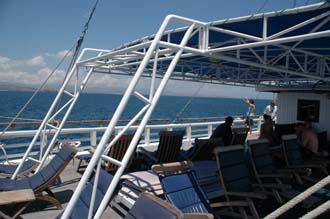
(50, 199)
(79, 165)
(253, 209)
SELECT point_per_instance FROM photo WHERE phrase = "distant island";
(18, 87)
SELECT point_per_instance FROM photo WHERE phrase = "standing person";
(250, 113)
(224, 131)
(271, 110)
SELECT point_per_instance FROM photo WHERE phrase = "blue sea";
(102, 106)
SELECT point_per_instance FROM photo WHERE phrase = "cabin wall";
(287, 109)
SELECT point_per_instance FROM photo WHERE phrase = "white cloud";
(36, 61)
(60, 54)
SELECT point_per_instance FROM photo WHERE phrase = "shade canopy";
(282, 49)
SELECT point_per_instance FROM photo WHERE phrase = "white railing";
(90, 136)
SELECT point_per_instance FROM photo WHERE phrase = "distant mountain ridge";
(17, 87)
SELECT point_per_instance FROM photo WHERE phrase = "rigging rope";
(187, 104)
(77, 46)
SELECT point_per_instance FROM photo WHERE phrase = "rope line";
(317, 211)
(302, 196)
(187, 103)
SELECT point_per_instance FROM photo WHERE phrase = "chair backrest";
(261, 157)
(239, 136)
(233, 171)
(148, 206)
(46, 176)
(180, 187)
(118, 151)
(204, 148)
(27, 167)
(82, 206)
(284, 129)
(291, 150)
(169, 146)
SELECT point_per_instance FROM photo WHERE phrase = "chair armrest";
(16, 196)
(242, 203)
(273, 186)
(197, 216)
(298, 170)
(276, 175)
(247, 194)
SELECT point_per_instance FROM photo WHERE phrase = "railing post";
(188, 133)
(93, 138)
(209, 130)
(147, 136)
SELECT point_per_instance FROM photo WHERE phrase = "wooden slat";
(17, 196)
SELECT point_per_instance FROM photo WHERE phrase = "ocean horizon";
(96, 106)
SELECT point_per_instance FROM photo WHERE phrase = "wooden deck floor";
(70, 178)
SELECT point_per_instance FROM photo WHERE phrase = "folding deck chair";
(265, 172)
(239, 136)
(181, 188)
(7, 170)
(117, 151)
(168, 148)
(203, 148)
(149, 206)
(235, 180)
(41, 180)
(293, 158)
(82, 206)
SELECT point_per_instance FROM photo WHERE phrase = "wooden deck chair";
(168, 148)
(239, 136)
(117, 152)
(149, 206)
(42, 180)
(181, 188)
(82, 206)
(235, 180)
(293, 158)
(7, 170)
(265, 172)
(204, 149)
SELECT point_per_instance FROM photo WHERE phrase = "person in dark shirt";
(224, 131)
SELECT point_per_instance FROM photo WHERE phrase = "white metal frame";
(161, 59)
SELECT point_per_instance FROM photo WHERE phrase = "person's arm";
(246, 100)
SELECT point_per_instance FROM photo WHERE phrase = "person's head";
(267, 118)
(229, 120)
(273, 103)
(251, 101)
(299, 127)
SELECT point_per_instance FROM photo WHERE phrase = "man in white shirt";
(271, 110)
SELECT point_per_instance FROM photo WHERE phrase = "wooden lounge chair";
(40, 181)
(81, 208)
(203, 149)
(235, 180)
(149, 206)
(117, 152)
(7, 170)
(168, 148)
(181, 188)
(239, 136)
(293, 158)
(265, 172)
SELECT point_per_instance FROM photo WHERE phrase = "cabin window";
(308, 109)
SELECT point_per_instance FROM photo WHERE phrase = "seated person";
(267, 130)
(308, 139)
(224, 131)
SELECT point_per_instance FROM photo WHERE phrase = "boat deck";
(63, 192)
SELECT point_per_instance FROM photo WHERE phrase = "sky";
(36, 34)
